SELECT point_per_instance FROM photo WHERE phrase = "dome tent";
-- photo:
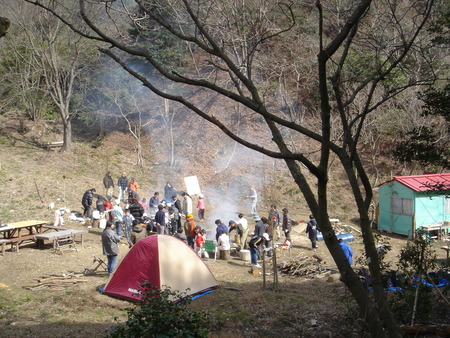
(161, 260)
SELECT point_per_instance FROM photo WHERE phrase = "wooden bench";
(61, 238)
(50, 145)
(49, 227)
(15, 242)
(3, 242)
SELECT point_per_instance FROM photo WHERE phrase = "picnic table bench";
(19, 232)
(52, 227)
(61, 239)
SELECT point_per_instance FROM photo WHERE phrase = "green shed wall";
(387, 221)
(425, 209)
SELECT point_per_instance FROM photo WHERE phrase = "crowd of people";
(172, 216)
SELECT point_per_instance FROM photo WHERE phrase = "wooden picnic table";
(18, 232)
(60, 238)
(441, 228)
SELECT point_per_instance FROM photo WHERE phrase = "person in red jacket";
(108, 209)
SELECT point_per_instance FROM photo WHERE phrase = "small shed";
(407, 203)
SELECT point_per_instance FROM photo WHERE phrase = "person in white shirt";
(223, 244)
(187, 204)
(242, 230)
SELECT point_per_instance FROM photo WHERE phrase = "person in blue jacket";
(220, 228)
(348, 252)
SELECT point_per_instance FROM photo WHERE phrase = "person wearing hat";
(137, 233)
(201, 207)
(311, 230)
(189, 227)
(257, 240)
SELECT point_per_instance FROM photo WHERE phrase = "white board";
(192, 186)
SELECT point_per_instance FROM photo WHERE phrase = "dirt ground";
(34, 177)
(81, 311)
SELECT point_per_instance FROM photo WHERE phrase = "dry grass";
(81, 311)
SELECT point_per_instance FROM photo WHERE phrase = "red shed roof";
(423, 182)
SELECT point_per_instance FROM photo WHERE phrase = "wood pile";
(56, 282)
(302, 265)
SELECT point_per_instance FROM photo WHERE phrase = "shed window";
(401, 206)
(447, 205)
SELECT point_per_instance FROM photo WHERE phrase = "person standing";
(153, 203)
(274, 220)
(109, 185)
(348, 252)
(169, 191)
(187, 203)
(86, 202)
(128, 220)
(254, 198)
(311, 230)
(136, 210)
(109, 244)
(122, 183)
(177, 204)
(160, 220)
(242, 229)
(201, 207)
(256, 241)
(287, 223)
(118, 216)
(189, 227)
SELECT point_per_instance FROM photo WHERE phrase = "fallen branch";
(39, 194)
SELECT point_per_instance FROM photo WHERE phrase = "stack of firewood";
(303, 265)
(56, 282)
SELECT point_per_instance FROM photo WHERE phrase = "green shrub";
(163, 313)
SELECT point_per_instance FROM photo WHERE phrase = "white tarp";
(192, 186)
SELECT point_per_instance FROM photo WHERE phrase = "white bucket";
(244, 255)
(102, 223)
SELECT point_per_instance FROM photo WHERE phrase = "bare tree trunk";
(67, 134)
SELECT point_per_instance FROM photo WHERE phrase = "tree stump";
(224, 254)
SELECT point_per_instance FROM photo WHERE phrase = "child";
(198, 239)
(128, 220)
(200, 244)
(201, 207)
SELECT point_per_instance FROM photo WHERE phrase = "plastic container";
(244, 255)
(348, 237)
